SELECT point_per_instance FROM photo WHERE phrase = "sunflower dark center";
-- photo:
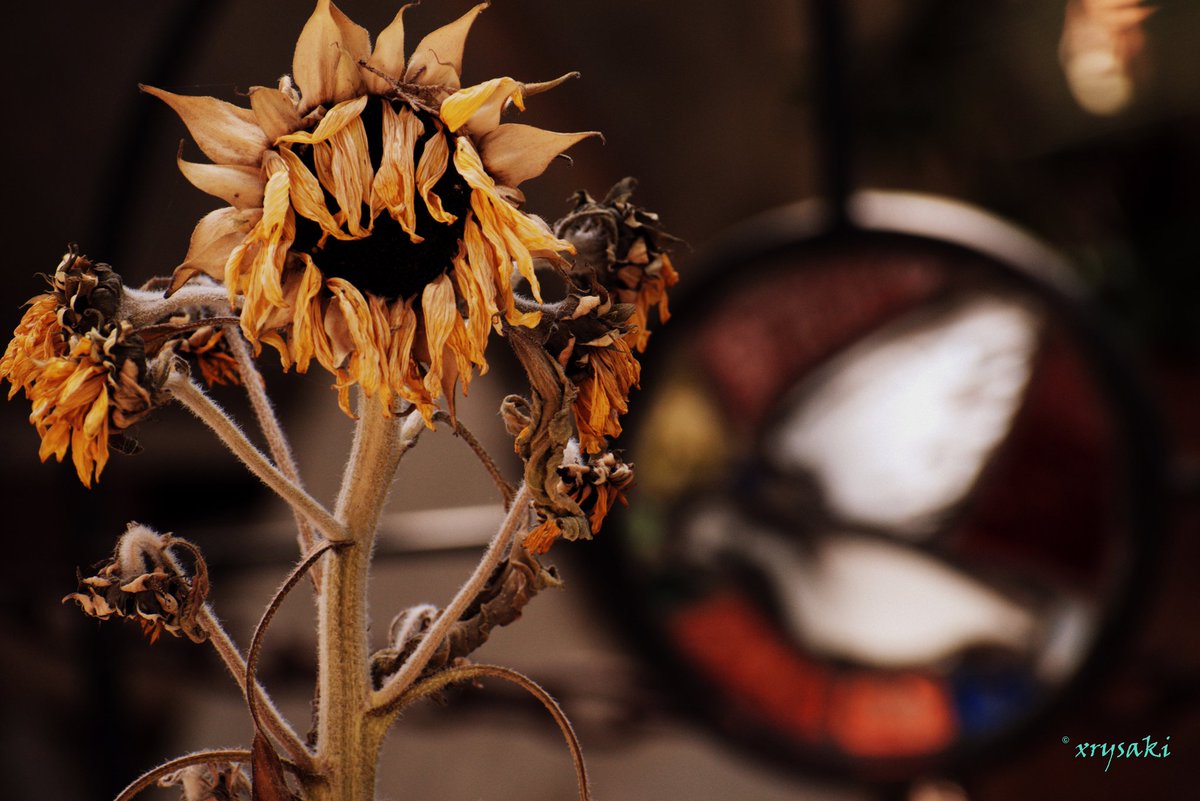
(388, 263)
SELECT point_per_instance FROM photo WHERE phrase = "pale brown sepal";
(388, 57)
(437, 59)
(514, 153)
(213, 240)
(227, 134)
(240, 187)
(275, 111)
(329, 38)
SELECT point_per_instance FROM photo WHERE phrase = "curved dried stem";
(251, 666)
(268, 423)
(272, 721)
(454, 675)
(143, 308)
(151, 776)
(198, 403)
(507, 490)
(517, 518)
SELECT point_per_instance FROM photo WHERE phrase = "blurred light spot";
(1100, 43)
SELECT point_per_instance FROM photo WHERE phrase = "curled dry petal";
(437, 59)
(332, 123)
(394, 183)
(515, 153)
(430, 170)
(227, 134)
(478, 107)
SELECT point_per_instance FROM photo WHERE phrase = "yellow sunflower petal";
(227, 134)
(307, 197)
(350, 168)
(440, 312)
(514, 153)
(430, 169)
(334, 121)
(478, 107)
(388, 57)
(394, 182)
(437, 59)
(241, 187)
(328, 38)
(304, 345)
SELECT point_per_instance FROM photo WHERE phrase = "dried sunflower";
(373, 222)
(82, 366)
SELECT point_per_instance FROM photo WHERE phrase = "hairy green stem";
(198, 403)
(344, 753)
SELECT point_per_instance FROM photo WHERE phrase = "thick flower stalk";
(373, 222)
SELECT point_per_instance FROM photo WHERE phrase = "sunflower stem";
(277, 441)
(198, 403)
(344, 681)
(517, 517)
(272, 720)
(142, 308)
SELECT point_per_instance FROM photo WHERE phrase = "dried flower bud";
(143, 582)
(220, 781)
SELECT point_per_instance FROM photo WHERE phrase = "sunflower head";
(373, 223)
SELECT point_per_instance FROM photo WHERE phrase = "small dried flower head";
(144, 582)
(373, 222)
(623, 248)
(81, 365)
(594, 482)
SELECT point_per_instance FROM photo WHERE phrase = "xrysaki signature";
(1144, 748)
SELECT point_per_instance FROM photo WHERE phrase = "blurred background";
(1077, 123)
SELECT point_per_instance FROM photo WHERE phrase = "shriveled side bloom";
(621, 248)
(581, 365)
(83, 369)
(373, 223)
(222, 781)
(142, 582)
